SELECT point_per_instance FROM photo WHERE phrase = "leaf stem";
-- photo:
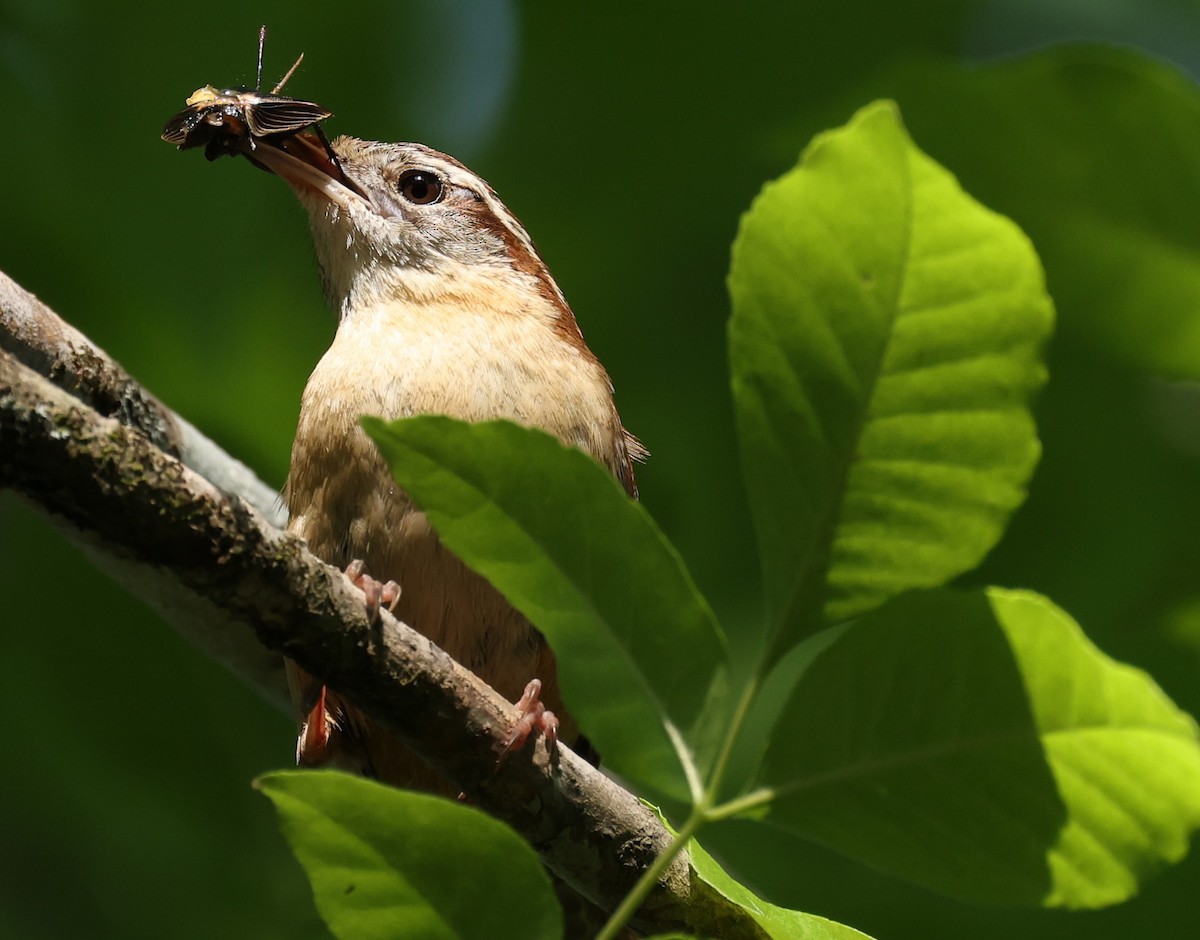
(735, 728)
(700, 814)
(740, 805)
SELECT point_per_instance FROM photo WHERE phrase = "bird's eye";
(420, 187)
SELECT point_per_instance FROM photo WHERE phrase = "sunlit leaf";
(387, 863)
(885, 343)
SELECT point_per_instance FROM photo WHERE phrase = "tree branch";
(182, 525)
(34, 335)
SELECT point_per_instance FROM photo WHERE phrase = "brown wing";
(630, 452)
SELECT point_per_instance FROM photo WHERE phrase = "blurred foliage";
(628, 137)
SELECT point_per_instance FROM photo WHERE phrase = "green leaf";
(779, 922)
(980, 745)
(641, 659)
(393, 864)
(884, 344)
(1102, 173)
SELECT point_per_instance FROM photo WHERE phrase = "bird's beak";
(308, 164)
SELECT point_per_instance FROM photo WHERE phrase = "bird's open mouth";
(306, 161)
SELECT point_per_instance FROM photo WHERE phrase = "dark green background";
(628, 137)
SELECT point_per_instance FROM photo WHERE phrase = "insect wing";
(207, 109)
(275, 114)
(238, 113)
(179, 128)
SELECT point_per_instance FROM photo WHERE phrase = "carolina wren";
(443, 306)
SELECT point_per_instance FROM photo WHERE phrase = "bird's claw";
(532, 716)
(377, 593)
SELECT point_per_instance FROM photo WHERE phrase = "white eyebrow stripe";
(457, 174)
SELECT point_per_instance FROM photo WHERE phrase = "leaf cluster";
(885, 346)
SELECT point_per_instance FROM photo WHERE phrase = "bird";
(443, 306)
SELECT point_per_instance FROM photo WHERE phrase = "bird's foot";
(532, 716)
(378, 593)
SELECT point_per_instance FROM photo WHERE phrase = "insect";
(228, 120)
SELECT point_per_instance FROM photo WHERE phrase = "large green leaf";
(885, 343)
(979, 744)
(641, 659)
(387, 863)
(1102, 171)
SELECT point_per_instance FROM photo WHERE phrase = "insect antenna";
(262, 41)
(283, 81)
